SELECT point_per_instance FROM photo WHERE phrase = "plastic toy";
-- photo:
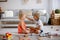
(9, 36)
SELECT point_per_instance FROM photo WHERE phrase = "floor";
(40, 38)
(33, 37)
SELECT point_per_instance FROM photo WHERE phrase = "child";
(22, 26)
(37, 21)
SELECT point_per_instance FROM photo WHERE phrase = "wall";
(55, 4)
(59, 3)
(17, 4)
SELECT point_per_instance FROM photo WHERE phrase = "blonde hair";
(21, 14)
(36, 14)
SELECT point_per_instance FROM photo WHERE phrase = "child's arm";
(30, 19)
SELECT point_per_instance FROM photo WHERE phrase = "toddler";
(22, 26)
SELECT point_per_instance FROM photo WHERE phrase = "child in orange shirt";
(22, 26)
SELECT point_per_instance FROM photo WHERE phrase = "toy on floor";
(9, 36)
(34, 30)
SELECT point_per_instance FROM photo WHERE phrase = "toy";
(34, 30)
(9, 36)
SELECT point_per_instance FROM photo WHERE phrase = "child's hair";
(36, 14)
(21, 14)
